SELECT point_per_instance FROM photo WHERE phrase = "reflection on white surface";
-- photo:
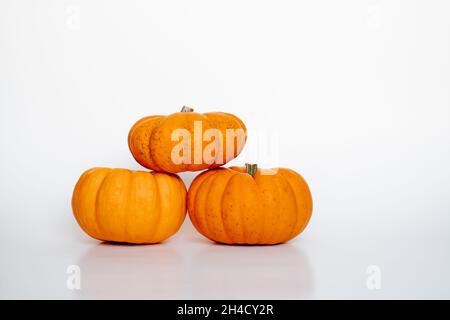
(187, 266)
(203, 271)
(116, 271)
(263, 272)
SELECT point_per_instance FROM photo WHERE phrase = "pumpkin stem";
(187, 109)
(251, 168)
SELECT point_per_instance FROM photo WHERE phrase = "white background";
(355, 95)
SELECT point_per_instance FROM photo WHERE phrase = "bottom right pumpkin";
(248, 205)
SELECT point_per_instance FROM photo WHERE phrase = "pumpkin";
(186, 140)
(249, 205)
(129, 206)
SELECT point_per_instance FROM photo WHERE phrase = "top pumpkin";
(186, 140)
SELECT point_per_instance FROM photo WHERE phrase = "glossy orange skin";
(230, 206)
(129, 206)
(151, 144)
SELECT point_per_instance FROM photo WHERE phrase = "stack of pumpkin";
(236, 205)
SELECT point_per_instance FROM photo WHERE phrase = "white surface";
(356, 92)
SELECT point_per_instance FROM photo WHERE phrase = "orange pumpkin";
(186, 140)
(248, 205)
(129, 206)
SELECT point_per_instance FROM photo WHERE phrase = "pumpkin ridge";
(204, 227)
(294, 226)
(96, 215)
(240, 214)
(227, 235)
(257, 196)
(194, 206)
(75, 196)
(119, 231)
(245, 228)
(192, 194)
(270, 233)
(263, 212)
(196, 199)
(291, 176)
(279, 232)
(311, 203)
(128, 234)
(150, 153)
(263, 233)
(190, 209)
(126, 231)
(172, 183)
(180, 218)
(243, 224)
(182, 191)
(158, 197)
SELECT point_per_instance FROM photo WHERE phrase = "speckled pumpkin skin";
(151, 145)
(228, 205)
(129, 206)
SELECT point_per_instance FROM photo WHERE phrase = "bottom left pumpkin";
(121, 205)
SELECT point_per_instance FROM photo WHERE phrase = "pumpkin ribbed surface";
(129, 206)
(230, 206)
(153, 140)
